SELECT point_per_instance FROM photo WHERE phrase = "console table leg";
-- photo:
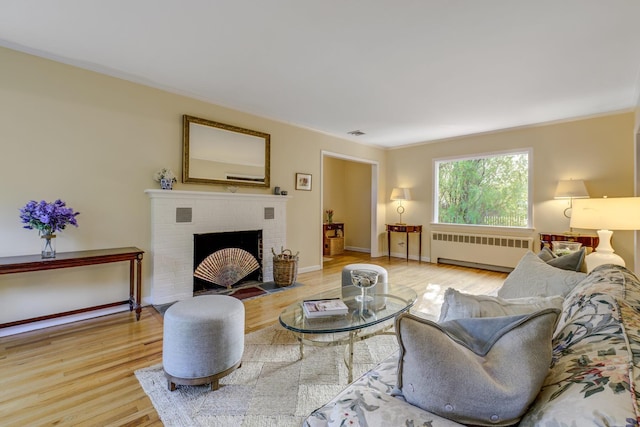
(138, 286)
(407, 246)
(131, 283)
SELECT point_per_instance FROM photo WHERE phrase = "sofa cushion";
(596, 355)
(458, 305)
(572, 261)
(534, 277)
(482, 371)
(367, 402)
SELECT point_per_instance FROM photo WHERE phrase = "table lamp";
(606, 215)
(570, 189)
(400, 194)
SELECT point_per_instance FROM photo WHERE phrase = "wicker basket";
(285, 268)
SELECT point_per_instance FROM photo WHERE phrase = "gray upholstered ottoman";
(203, 340)
(381, 287)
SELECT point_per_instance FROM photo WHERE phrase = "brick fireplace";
(176, 216)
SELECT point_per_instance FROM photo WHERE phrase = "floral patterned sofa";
(592, 380)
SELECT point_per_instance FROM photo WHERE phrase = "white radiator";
(479, 250)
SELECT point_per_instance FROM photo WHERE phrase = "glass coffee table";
(363, 320)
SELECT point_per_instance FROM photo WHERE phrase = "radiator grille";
(481, 249)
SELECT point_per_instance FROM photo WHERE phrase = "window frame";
(436, 186)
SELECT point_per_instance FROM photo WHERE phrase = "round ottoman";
(381, 287)
(203, 340)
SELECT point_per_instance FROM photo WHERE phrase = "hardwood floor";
(82, 373)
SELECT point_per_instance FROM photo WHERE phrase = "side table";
(588, 240)
(26, 263)
(333, 238)
(405, 228)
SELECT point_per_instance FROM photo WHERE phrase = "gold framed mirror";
(217, 153)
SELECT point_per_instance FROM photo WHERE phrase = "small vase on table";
(166, 184)
(48, 245)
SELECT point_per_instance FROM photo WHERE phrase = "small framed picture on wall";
(303, 181)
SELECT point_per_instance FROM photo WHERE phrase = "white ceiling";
(403, 71)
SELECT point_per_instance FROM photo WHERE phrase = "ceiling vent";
(356, 133)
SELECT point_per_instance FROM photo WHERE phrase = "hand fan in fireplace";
(226, 267)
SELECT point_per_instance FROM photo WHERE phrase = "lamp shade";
(571, 189)
(400, 194)
(616, 213)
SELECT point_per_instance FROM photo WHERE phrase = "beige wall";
(358, 206)
(96, 141)
(598, 150)
(333, 190)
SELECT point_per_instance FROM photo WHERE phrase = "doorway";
(350, 189)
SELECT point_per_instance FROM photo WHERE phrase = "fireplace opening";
(220, 260)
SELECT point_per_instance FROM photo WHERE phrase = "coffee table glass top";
(386, 304)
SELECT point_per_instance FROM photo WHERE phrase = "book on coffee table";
(324, 307)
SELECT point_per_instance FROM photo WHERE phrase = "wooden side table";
(588, 240)
(333, 238)
(405, 228)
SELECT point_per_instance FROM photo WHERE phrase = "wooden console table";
(404, 228)
(333, 238)
(25, 263)
(588, 240)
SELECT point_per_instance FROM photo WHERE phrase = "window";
(489, 190)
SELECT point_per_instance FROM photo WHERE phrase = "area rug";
(273, 387)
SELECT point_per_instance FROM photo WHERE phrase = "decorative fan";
(226, 267)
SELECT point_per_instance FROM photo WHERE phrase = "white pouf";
(203, 340)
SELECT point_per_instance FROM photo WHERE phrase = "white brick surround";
(172, 242)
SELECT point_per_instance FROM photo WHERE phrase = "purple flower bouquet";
(47, 218)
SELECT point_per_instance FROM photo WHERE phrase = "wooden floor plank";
(83, 373)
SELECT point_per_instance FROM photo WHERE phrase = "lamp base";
(595, 259)
(603, 253)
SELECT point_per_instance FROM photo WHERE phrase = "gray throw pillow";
(458, 305)
(546, 254)
(572, 261)
(480, 371)
(533, 277)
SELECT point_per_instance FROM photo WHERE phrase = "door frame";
(377, 218)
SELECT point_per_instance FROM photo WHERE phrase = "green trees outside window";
(488, 190)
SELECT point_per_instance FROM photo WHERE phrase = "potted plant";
(329, 215)
(166, 178)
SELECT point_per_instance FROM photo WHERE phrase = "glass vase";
(48, 245)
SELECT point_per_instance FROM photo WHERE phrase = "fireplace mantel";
(177, 215)
(210, 195)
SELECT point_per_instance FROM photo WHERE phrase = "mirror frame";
(186, 178)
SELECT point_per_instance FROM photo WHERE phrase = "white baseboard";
(310, 268)
(33, 326)
(356, 249)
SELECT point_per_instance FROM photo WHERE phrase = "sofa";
(593, 367)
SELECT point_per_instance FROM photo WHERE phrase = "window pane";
(491, 190)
